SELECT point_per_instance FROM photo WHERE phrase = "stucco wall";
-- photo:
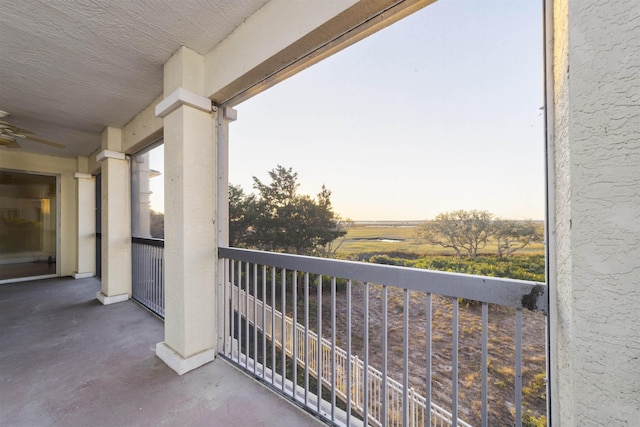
(597, 212)
(66, 168)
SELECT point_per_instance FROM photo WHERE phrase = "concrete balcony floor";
(66, 360)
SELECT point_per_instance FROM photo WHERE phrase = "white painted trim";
(106, 300)
(180, 364)
(230, 114)
(83, 175)
(109, 154)
(181, 97)
(83, 275)
(28, 279)
(553, 370)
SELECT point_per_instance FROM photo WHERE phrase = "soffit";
(68, 68)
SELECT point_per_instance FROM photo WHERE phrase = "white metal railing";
(249, 279)
(147, 273)
(243, 303)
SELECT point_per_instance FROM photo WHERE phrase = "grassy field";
(401, 237)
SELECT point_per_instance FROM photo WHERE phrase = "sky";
(438, 112)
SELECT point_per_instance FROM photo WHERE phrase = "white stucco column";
(595, 214)
(116, 220)
(86, 234)
(190, 255)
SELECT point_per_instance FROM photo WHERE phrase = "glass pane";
(28, 223)
(147, 190)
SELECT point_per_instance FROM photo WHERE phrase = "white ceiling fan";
(10, 135)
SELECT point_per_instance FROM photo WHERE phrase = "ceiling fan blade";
(9, 143)
(14, 129)
(45, 141)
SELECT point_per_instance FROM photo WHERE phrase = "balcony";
(68, 360)
(313, 327)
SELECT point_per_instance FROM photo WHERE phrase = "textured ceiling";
(68, 68)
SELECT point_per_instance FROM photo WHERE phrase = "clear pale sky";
(438, 112)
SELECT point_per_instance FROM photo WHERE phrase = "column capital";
(230, 114)
(180, 97)
(82, 175)
(109, 154)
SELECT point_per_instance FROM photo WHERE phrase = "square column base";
(83, 275)
(180, 364)
(106, 300)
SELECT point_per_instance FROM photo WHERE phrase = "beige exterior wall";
(596, 151)
(144, 129)
(66, 169)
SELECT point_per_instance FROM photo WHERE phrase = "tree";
(280, 219)
(157, 225)
(459, 230)
(242, 213)
(331, 248)
(513, 235)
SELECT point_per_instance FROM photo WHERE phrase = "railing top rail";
(493, 290)
(148, 241)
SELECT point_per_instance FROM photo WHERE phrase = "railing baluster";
(485, 333)
(294, 331)
(162, 300)
(255, 317)
(429, 358)
(147, 275)
(518, 379)
(454, 362)
(233, 312)
(246, 314)
(239, 312)
(333, 349)
(365, 393)
(283, 336)
(273, 325)
(405, 360)
(264, 319)
(221, 302)
(385, 331)
(306, 339)
(349, 360)
(319, 341)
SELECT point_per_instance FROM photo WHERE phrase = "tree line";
(278, 218)
(467, 231)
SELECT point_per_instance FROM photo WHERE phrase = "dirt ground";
(501, 348)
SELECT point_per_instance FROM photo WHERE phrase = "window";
(147, 193)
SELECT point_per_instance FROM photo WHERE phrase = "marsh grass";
(361, 239)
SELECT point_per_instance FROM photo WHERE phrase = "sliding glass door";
(28, 225)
